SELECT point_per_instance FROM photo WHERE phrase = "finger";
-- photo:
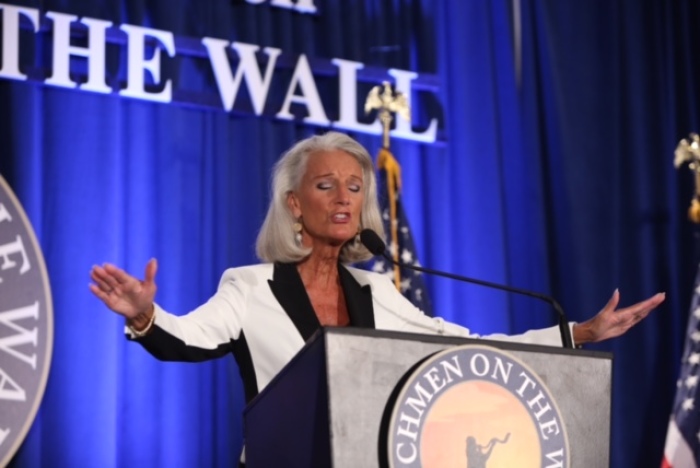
(646, 305)
(656, 299)
(103, 296)
(103, 285)
(107, 276)
(613, 301)
(118, 274)
(122, 282)
(151, 269)
(99, 272)
(106, 282)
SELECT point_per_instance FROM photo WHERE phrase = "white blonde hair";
(276, 238)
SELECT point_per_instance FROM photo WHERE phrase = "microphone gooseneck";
(376, 246)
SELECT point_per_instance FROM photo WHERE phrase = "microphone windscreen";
(372, 241)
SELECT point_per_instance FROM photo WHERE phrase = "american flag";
(399, 238)
(682, 447)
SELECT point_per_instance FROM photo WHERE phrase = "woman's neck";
(320, 268)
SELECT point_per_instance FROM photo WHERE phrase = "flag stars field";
(682, 438)
(696, 312)
(379, 266)
(688, 404)
(399, 238)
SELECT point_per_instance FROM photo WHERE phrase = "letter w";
(23, 336)
(247, 68)
(555, 458)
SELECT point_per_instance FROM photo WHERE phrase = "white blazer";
(262, 315)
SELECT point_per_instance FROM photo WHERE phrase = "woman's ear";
(293, 204)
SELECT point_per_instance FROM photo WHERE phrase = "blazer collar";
(358, 299)
(289, 290)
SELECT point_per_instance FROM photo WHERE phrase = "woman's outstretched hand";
(611, 321)
(123, 293)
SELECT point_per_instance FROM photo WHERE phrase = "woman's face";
(329, 199)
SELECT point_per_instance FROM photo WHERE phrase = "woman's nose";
(343, 196)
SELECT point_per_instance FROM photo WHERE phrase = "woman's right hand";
(123, 293)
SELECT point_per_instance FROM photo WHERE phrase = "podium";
(329, 406)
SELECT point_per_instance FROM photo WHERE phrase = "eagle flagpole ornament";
(387, 101)
(688, 151)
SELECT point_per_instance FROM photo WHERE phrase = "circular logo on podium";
(475, 406)
(26, 324)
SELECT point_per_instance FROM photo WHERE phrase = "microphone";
(376, 246)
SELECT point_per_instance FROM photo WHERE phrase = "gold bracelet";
(140, 333)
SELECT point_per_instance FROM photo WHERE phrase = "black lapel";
(358, 299)
(289, 290)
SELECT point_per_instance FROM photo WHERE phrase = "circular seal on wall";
(26, 324)
(475, 406)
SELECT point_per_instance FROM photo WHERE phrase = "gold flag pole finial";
(688, 151)
(387, 101)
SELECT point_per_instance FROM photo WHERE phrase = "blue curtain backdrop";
(555, 175)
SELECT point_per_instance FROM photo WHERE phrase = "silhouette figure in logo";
(477, 455)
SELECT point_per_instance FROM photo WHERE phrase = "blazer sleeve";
(395, 312)
(207, 332)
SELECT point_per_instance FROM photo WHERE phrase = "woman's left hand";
(611, 322)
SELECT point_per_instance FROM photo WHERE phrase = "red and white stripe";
(677, 453)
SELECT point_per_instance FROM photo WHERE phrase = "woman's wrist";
(141, 324)
(582, 333)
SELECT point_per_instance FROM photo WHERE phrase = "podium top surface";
(453, 340)
(327, 334)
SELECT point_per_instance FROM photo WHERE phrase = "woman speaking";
(323, 194)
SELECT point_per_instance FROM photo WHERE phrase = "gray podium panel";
(326, 407)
